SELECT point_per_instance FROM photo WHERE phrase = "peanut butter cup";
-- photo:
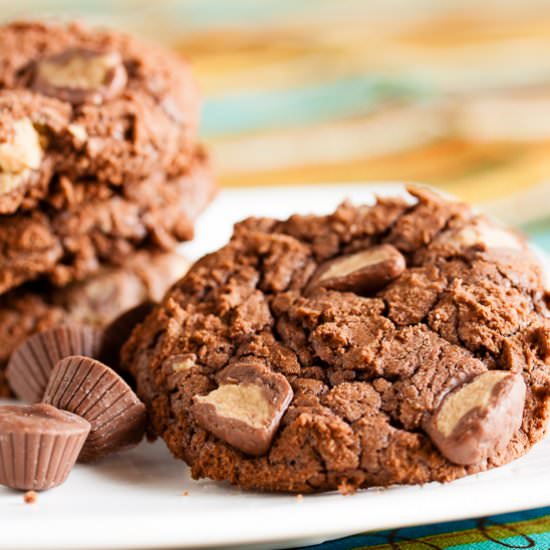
(98, 394)
(31, 364)
(39, 445)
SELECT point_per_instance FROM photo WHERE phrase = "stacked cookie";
(101, 175)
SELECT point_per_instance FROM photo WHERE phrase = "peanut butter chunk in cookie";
(479, 418)
(366, 271)
(246, 408)
(81, 76)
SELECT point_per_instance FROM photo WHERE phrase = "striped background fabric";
(454, 93)
(529, 529)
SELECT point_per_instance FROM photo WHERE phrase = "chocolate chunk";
(246, 408)
(31, 364)
(39, 446)
(118, 332)
(95, 392)
(362, 272)
(480, 418)
(81, 76)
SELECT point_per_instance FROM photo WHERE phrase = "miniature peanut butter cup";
(362, 272)
(246, 409)
(479, 418)
(81, 76)
(31, 364)
(39, 446)
(95, 392)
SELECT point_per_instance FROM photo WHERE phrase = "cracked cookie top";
(389, 343)
(114, 109)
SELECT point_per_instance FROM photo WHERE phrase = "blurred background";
(452, 93)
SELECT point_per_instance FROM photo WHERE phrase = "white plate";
(136, 500)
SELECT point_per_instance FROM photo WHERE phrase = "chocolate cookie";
(85, 227)
(388, 344)
(104, 105)
(95, 302)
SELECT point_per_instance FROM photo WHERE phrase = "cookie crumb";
(299, 497)
(345, 488)
(185, 494)
(30, 497)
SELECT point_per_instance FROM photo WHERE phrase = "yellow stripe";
(476, 172)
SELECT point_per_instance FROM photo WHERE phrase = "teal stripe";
(212, 13)
(261, 110)
(537, 542)
(367, 540)
(63, 9)
(539, 233)
(542, 240)
(190, 15)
